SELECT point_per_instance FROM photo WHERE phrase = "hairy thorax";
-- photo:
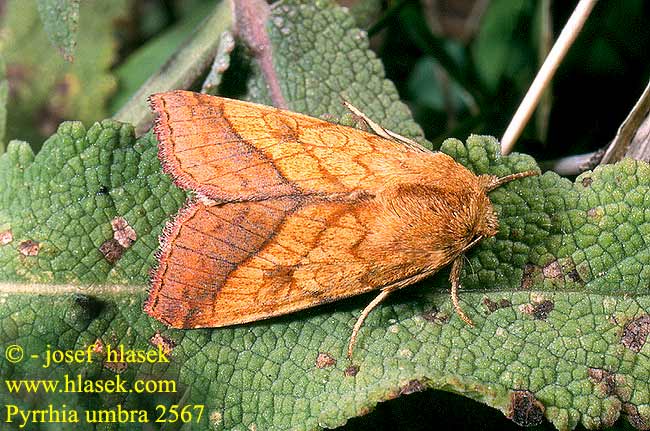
(422, 227)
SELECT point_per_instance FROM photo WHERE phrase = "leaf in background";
(61, 20)
(141, 64)
(442, 102)
(4, 94)
(364, 12)
(45, 89)
(543, 35)
(182, 69)
(500, 46)
(457, 19)
(559, 296)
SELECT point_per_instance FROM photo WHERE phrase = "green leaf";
(365, 12)
(559, 296)
(500, 49)
(67, 197)
(143, 63)
(4, 94)
(46, 89)
(61, 20)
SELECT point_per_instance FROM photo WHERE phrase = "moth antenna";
(498, 182)
(357, 326)
(454, 279)
(384, 133)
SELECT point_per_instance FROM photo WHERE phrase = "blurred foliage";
(60, 22)
(454, 88)
(4, 93)
(595, 88)
(44, 88)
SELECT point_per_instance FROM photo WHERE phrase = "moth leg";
(454, 279)
(384, 133)
(357, 326)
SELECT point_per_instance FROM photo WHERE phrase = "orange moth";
(290, 212)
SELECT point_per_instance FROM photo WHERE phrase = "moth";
(291, 212)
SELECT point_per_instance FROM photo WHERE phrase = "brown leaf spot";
(528, 276)
(324, 360)
(18, 77)
(605, 378)
(539, 308)
(436, 316)
(493, 306)
(118, 365)
(6, 237)
(351, 371)
(123, 233)
(412, 387)
(525, 410)
(29, 247)
(636, 332)
(165, 344)
(215, 418)
(635, 418)
(586, 181)
(98, 347)
(542, 309)
(526, 308)
(112, 250)
(595, 213)
(552, 270)
(574, 276)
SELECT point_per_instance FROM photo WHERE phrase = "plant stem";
(182, 69)
(545, 74)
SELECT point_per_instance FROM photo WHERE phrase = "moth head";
(488, 223)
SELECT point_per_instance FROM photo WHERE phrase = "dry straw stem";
(633, 136)
(545, 74)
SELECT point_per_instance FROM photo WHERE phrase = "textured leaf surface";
(559, 297)
(46, 89)
(61, 21)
